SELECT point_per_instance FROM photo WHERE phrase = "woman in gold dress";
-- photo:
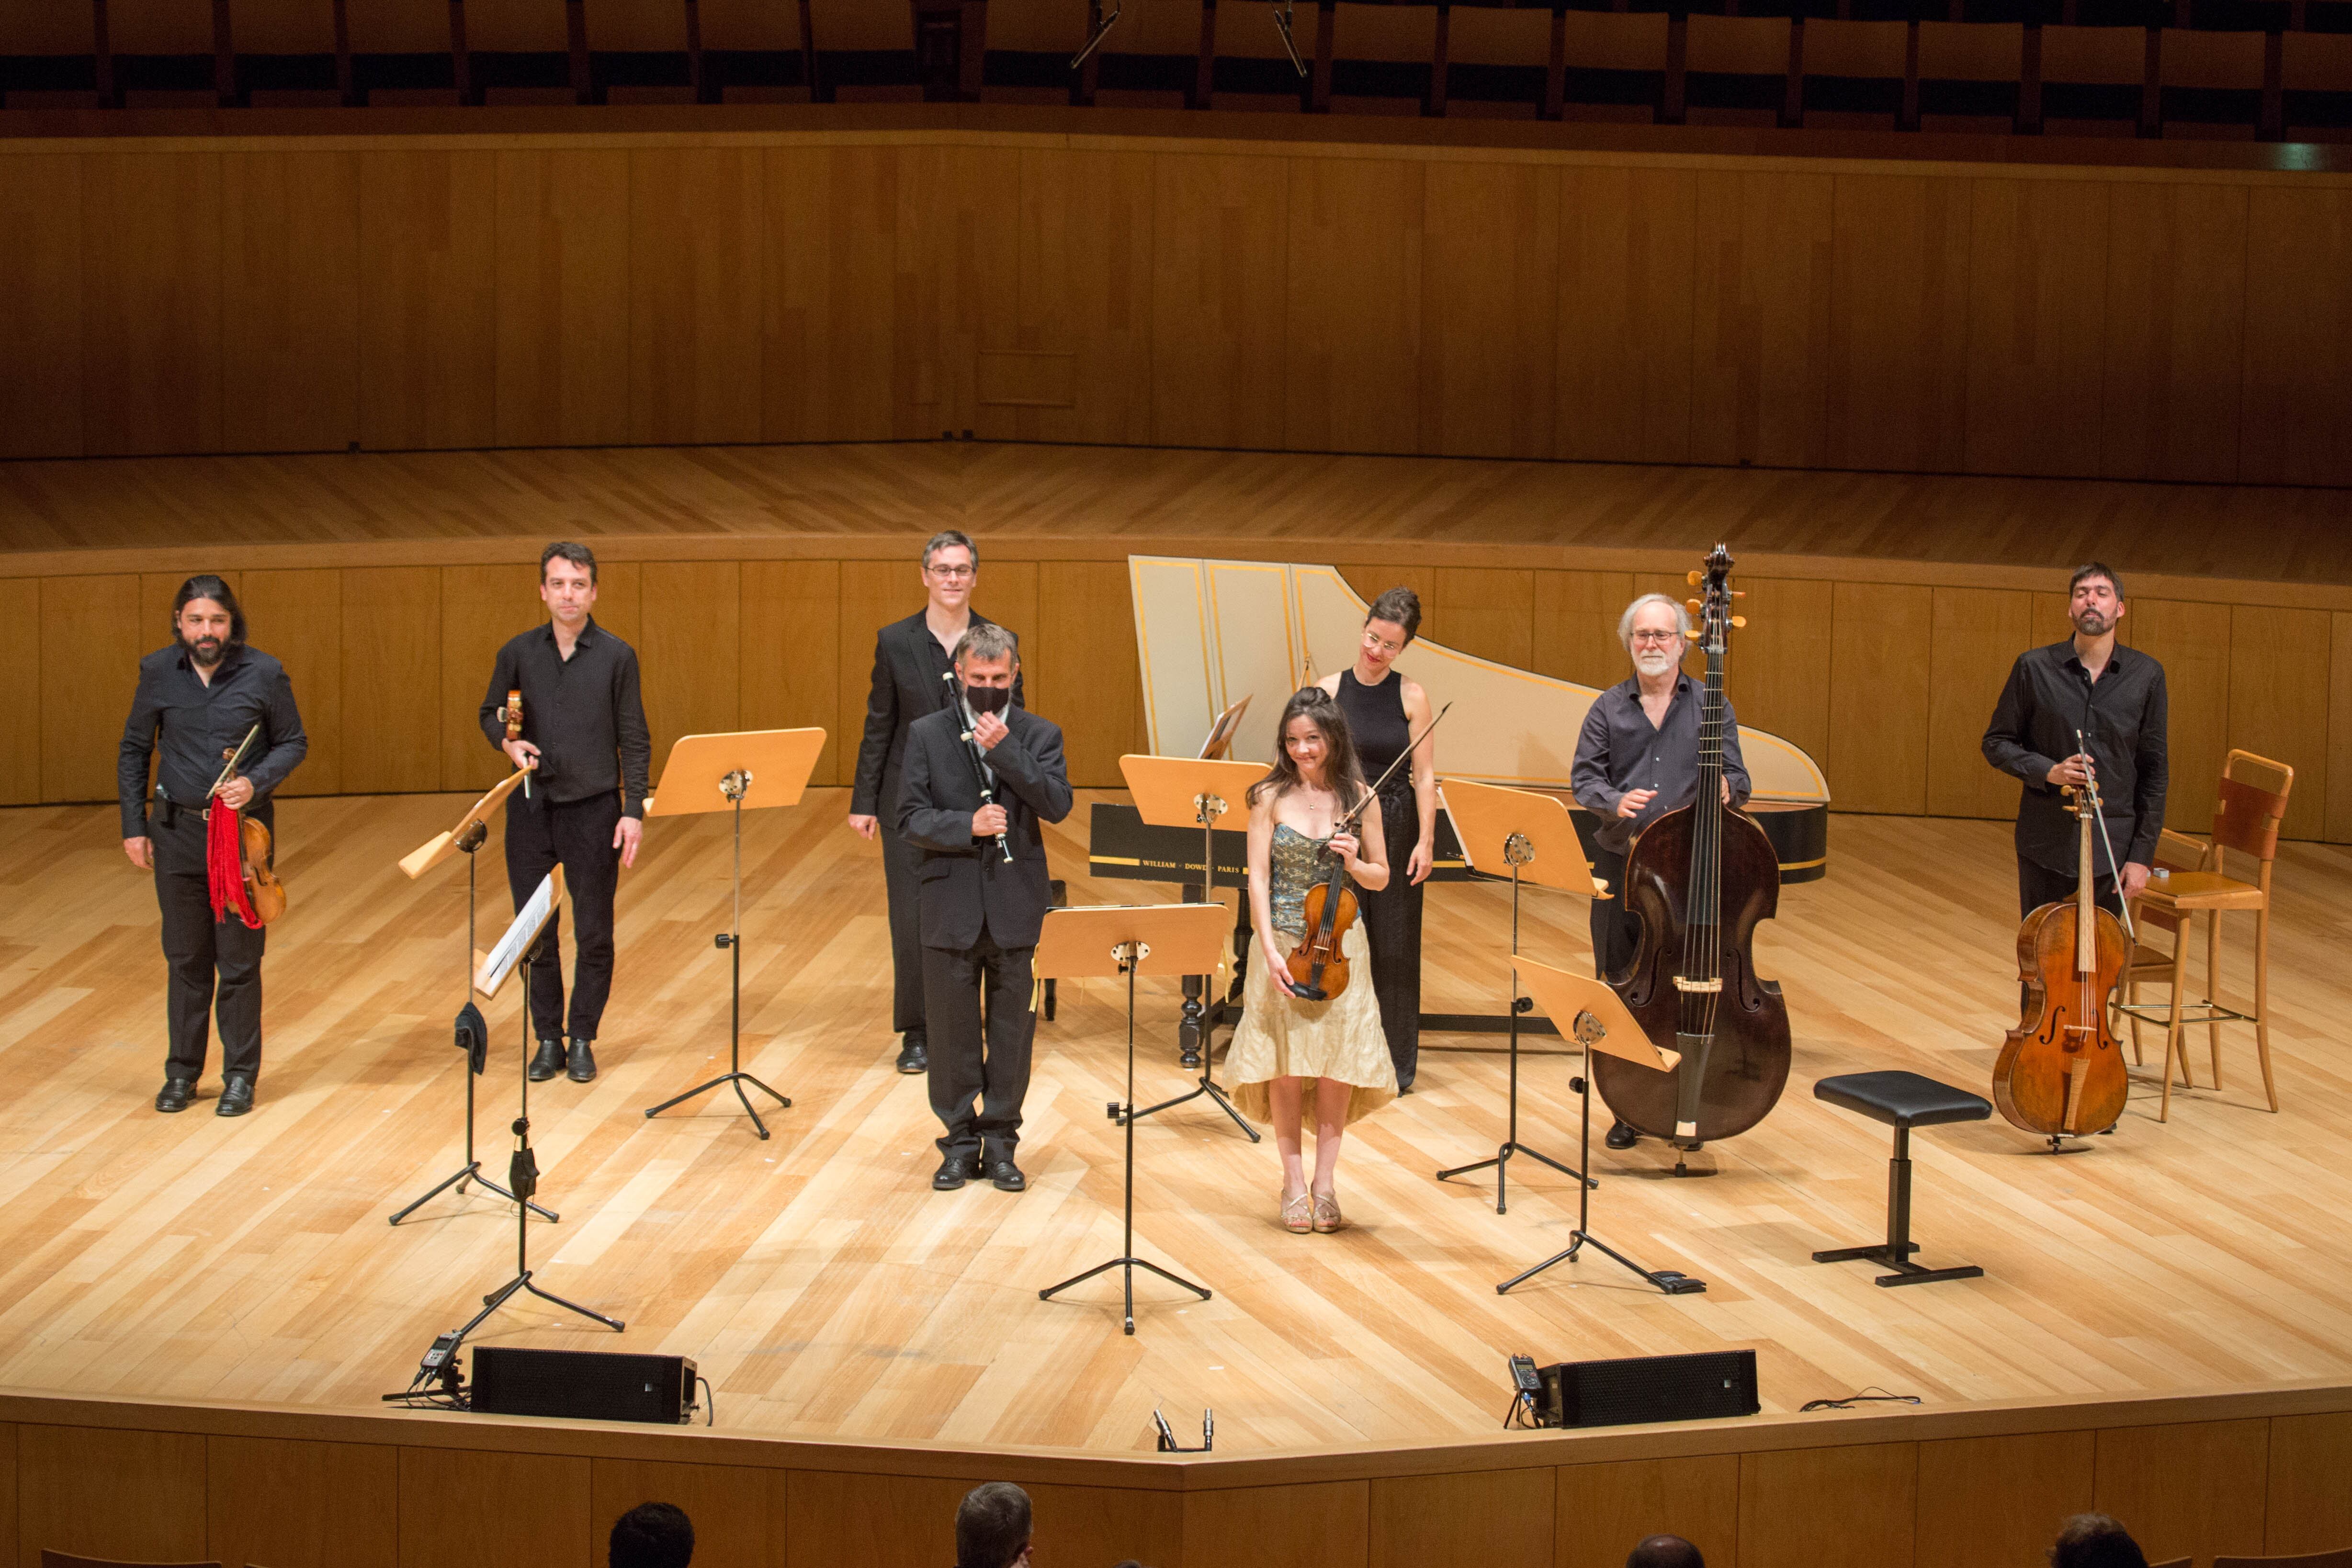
(1284, 1039)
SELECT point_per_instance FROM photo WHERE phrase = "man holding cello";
(196, 703)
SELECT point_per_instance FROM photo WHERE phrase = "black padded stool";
(1903, 1101)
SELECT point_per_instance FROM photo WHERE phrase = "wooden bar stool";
(2246, 819)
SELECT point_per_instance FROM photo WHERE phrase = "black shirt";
(2050, 695)
(909, 671)
(192, 724)
(583, 714)
(1619, 751)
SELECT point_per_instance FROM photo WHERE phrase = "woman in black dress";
(1384, 711)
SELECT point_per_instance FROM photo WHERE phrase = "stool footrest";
(1906, 1273)
(2191, 1013)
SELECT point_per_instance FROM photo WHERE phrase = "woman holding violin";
(1308, 1009)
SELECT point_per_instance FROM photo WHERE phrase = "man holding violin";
(974, 794)
(196, 702)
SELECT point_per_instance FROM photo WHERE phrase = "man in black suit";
(911, 661)
(981, 911)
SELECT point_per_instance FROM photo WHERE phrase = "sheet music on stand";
(530, 920)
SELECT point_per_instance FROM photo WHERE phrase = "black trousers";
(907, 961)
(2037, 885)
(975, 1060)
(578, 835)
(214, 965)
(1392, 932)
(1614, 929)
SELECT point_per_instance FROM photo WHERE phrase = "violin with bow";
(1319, 972)
(1699, 879)
(264, 895)
(512, 715)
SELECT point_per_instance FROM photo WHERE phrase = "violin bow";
(1411, 747)
(228, 768)
(2098, 809)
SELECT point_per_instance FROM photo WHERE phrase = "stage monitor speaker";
(586, 1385)
(1642, 1388)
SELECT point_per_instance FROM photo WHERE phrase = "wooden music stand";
(1184, 792)
(723, 773)
(1220, 743)
(1127, 939)
(1533, 835)
(1592, 1012)
(467, 836)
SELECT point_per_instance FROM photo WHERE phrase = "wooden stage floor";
(826, 1291)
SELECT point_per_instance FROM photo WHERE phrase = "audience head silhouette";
(1665, 1552)
(2095, 1540)
(992, 1527)
(651, 1536)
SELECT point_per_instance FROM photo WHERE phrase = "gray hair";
(948, 539)
(986, 640)
(1625, 621)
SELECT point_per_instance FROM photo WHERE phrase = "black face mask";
(988, 699)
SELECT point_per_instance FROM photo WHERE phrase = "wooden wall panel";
(841, 1517)
(2309, 1507)
(157, 589)
(71, 1496)
(1576, 615)
(2278, 701)
(1086, 270)
(620, 599)
(1760, 319)
(1490, 285)
(2197, 1488)
(494, 1509)
(2192, 642)
(150, 280)
(428, 300)
(290, 301)
(959, 239)
(2175, 359)
(829, 361)
(86, 697)
(20, 649)
(41, 306)
(739, 1513)
(1778, 674)
(1877, 1487)
(1879, 697)
(1998, 1499)
(9, 1539)
(1082, 669)
(1603, 1509)
(1898, 328)
(481, 607)
(298, 617)
(392, 680)
(2298, 383)
(1315, 1525)
(2036, 325)
(1353, 327)
(1627, 249)
(301, 1505)
(1501, 1518)
(1109, 1524)
(697, 231)
(1219, 299)
(1976, 635)
(1489, 612)
(791, 654)
(2339, 730)
(689, 655)
(562, 297)
(873, 594)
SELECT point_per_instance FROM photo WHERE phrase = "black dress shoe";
(547, 1063)
(237, 1095)
(912, 1055)
(1622, 1136)
(582, 1063)
(1006, 1176)
(954, 1171)
(175, 1094)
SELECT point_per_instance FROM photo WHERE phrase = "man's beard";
(1656, 663)
(2091, 623)
(204, 650)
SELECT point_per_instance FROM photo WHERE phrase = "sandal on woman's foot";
(1299, 1213)
(1328, 1217)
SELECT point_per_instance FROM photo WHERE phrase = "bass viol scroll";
(1699, 879)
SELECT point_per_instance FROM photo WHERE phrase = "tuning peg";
(1693, 605)
(1694, 577)
(1738, 593)
(1739, 621)
(1694, 634)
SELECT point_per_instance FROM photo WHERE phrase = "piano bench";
(1903, 1101)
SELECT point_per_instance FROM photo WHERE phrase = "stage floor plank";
(826, 1291)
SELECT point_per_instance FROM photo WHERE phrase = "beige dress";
(1283, 1037)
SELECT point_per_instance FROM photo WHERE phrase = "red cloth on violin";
(224, 865)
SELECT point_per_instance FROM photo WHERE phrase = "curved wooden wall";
(315, 293)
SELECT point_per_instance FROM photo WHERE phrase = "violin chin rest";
(1308, 993)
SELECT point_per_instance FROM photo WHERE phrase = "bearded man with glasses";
(1637, 759)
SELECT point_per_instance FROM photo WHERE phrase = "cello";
(1698, 879)
(2061, 1071)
